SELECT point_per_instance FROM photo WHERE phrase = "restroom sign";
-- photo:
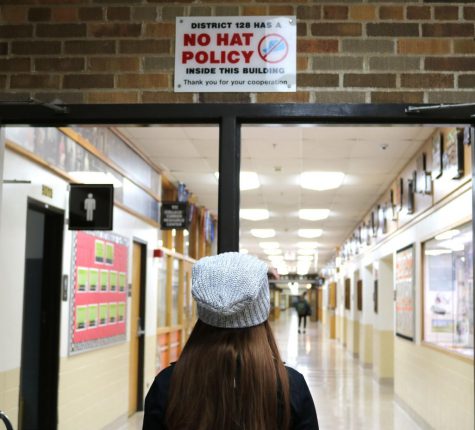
(235, 54)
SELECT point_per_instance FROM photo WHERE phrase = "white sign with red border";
(235, 54)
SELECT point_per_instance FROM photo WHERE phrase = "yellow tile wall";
(437, 386)
(383, 355)
(366, 344)
(93, 388)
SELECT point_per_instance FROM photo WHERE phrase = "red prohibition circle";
(282, 40)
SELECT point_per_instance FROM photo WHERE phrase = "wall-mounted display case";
(448, 290)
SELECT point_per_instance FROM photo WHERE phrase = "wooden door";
(135, 330)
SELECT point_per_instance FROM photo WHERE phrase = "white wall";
(13, 213)
(2, 154)
(368, 285)
(12, 246)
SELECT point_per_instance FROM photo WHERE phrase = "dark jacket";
(304, 416)
(303, 308)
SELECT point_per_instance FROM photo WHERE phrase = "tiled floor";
(346, 395)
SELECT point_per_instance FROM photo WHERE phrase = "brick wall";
(103, 51)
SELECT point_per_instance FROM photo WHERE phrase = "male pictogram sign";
(273, 48)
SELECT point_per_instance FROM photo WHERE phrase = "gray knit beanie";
(231, 290)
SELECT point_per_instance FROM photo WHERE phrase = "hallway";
(346, 395)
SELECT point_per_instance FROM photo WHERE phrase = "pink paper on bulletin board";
(99, 290)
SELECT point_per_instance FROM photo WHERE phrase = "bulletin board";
(98, 298)
(405, 293)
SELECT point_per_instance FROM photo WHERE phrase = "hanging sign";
(235, 54)
(173, 215)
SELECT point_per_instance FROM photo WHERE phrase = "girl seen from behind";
(230, 375)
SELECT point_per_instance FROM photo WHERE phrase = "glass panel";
(448, 290)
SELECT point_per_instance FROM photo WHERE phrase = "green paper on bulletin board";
(104, 280)
(92, 311)
(82, 279)
(112, 312)
(93, 279)
(109, 253)
(103, 313)
(113, 281)
(122, 282)
(121, 312)
(81, 316)
(99, 251)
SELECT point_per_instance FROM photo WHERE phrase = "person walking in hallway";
(303, 310)
(230, 375)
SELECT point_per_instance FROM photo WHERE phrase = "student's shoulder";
(295, 377)
(165, 374)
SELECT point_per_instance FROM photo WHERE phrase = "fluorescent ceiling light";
(269, 245)
(310, 233)
(254, 214)
(314, 214)
(449, 234)
(271, 251)
(263, 233)
(321, 181)
(247, 180)
(96, 178)
(307, 245)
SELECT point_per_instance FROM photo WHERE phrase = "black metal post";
(228, 194)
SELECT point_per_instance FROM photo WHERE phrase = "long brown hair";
(229, 379)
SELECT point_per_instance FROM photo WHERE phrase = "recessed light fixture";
(321, 181)
(263, 233)
(314, 214)
(447, 235)
(307, 245)
(247, 180)
(269, 245)
(310, 233)
(254, 214)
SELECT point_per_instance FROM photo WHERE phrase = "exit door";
(38, 401)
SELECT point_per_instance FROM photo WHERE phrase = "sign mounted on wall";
(91, 207)
(235, 54)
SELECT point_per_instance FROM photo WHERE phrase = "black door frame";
(49, 311)
(230, 117)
